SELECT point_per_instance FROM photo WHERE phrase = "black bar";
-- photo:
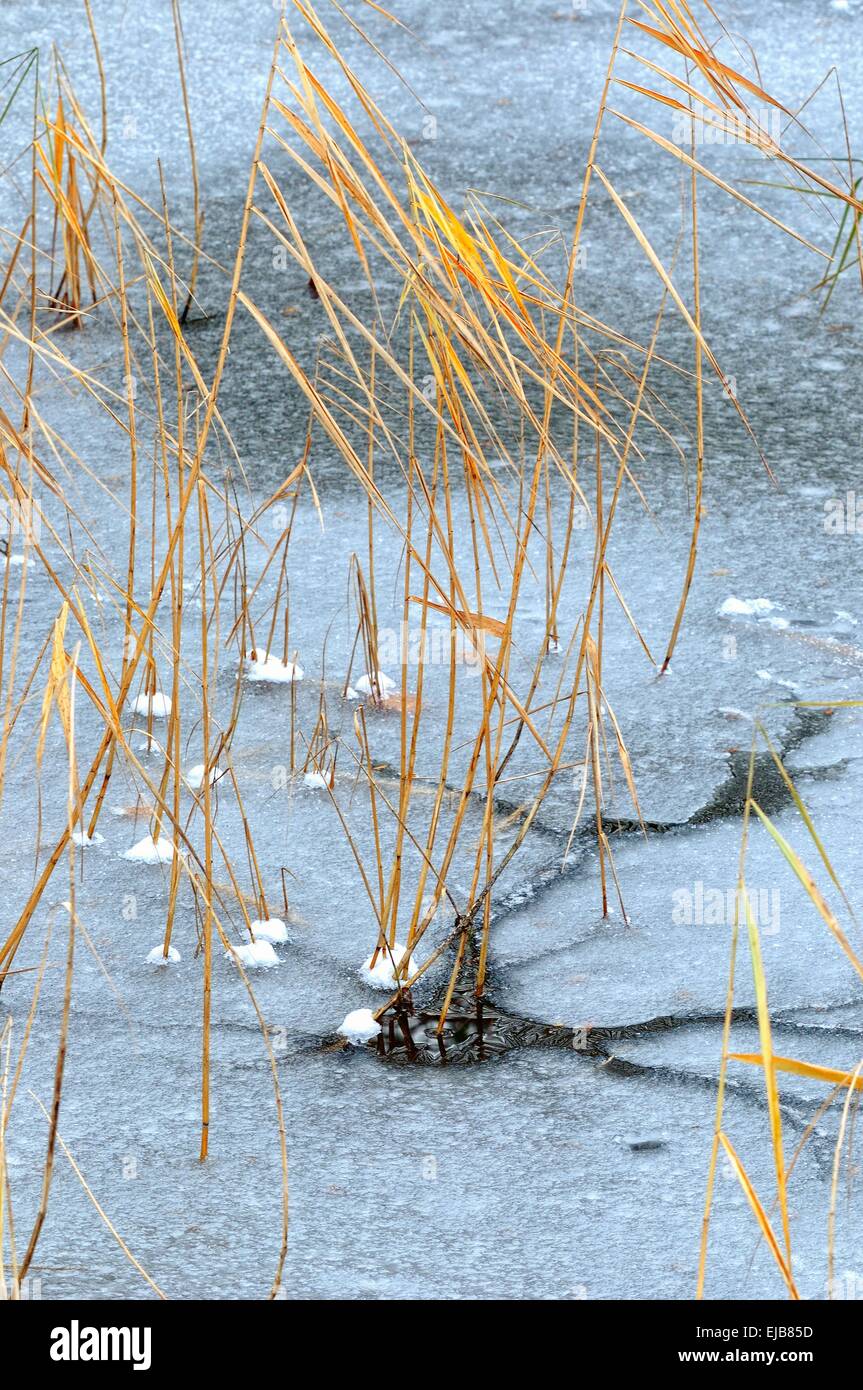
(623, 1338)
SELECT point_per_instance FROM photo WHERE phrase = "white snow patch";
(195, 776)
(255, 955)
(360, 1027)
(381, 976)
(760, 608)
(272, 930)
(150, 851)
(746, 607)
(385, 684)
(159, 703)
(270, 668)
(80, 837)
(351, 694)
(315, 779)
(157, 956)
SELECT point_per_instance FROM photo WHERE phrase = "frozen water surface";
(547, 1174)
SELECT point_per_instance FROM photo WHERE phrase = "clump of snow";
(159, 704)
(760, 608)
(157, 956)
(195, 776)
(380, 976)
(384, 684)
(80, 837)
(351, 694)
(764, 675)
(255, 955)
(360, 1027)
(272, 930)
(734, 607)
(270, 668)
(315, 779)
(150, 851)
